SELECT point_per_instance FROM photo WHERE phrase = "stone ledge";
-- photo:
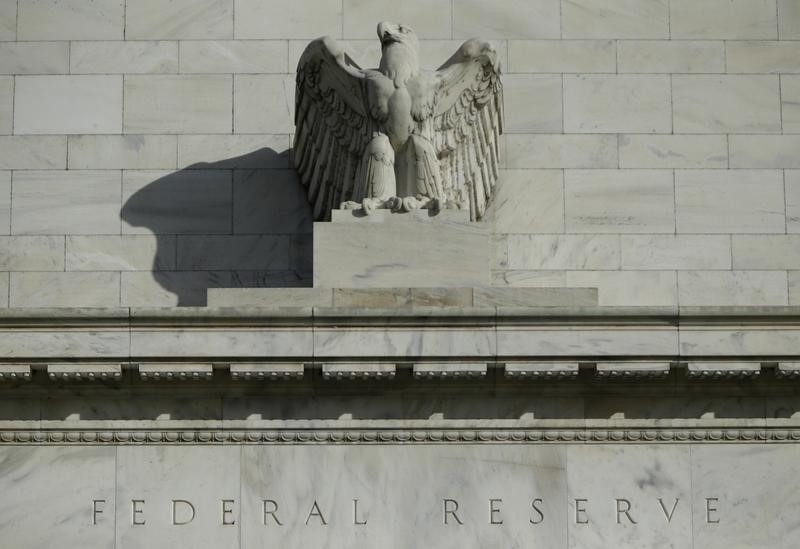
(389, 298)
(130, 315)
(490, 334)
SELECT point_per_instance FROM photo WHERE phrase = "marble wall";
(651, 146)
(555, 496)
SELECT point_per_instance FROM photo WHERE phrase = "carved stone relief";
(397, 137)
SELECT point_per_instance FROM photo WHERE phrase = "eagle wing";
(333, 126)
(467, 123)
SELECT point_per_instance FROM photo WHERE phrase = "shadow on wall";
(237, 222)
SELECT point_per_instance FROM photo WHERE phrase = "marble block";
(123, 57)
(179, 19)
(48, 496)
(728, 19)
(179, 491)
(401, 250)
(34, 58)
(57, 20)
(636, 496)
(615, 19)
(68, 104)
(754, 510)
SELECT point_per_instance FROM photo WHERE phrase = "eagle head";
(400, 51)
(391, 33)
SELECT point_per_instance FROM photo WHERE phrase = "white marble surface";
(48, 493)
(735, 201)
(6, 104)
(401, 251)
(726, 104)
(568, 56)
(178, 104)
(617, 104)
(67, 104)
(671, 56)
(185, 19)
(34, 58)
(578, 341)
(790, 102)
(158, 475)
(122, 152)
(130, 57)
(61, 344)
(555, 151)
(28, 152)
(754, 511)
(288, 19)
(225, 56)
(730, 19)
(208, 342)
(56, 20)
(404, 342)
(619, 18)
(615, 201)
(788, 20)
(400, 513)
(677, 496)
(672, 151)
(57, 202)
(632, 478)
(521, 19)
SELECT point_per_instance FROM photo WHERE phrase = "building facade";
(608, 358)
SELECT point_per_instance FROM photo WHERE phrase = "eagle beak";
(384, 32)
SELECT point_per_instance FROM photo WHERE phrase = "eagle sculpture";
(398, 137)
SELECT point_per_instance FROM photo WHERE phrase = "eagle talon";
(394, 203)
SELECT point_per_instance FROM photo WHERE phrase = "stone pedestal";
(415, 249)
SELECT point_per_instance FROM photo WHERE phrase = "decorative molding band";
(386, 368)
(723, 370)
(457, 436)
(267, 371)
(450, 370)
(623, 369)
(177, 372)
(84, 372)
(353, 371)
(788, 369)
(15, 372)
(541, 370)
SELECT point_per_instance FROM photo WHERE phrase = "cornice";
(449, 335)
